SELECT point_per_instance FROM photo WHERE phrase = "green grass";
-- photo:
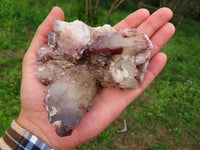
(164, 117)
(10, 75)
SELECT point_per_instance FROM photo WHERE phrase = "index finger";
(133, 20)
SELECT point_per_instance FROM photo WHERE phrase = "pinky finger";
(156, 64)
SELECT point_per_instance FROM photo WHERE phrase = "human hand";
(109, 102)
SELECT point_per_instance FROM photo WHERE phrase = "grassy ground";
(165, 116)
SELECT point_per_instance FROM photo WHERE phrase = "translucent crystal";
(78, 59)
(121, 58)
(68, 97)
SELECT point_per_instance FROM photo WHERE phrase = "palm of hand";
(109, 102)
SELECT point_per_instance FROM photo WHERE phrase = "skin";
(109, 102)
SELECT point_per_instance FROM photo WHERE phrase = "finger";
(155, 21)
(161, 37)
(39, 39)
(133, 20)
(47, 25)
(156, 64)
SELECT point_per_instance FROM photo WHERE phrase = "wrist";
(29, 124)
(16, 137)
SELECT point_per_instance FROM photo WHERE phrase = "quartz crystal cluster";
(79, 59)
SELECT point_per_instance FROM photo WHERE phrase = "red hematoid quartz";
(78, 59)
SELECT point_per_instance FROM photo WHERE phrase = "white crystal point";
(73, 37)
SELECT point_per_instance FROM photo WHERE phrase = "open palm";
(109, 102)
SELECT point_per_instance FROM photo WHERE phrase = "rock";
(79, 59)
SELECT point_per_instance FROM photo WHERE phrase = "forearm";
(16, 137)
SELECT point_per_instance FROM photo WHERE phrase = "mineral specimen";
(78, 59)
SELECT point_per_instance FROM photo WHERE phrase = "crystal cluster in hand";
(79, 59)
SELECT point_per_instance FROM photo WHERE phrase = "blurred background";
(166, 116)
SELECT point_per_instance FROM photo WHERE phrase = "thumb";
(40, 36)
